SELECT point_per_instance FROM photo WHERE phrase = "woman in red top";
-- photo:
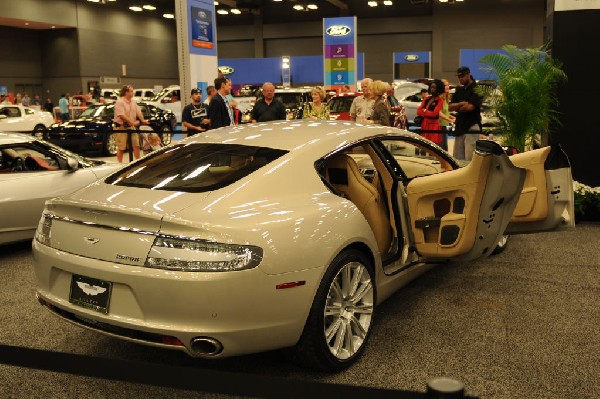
(430, 110)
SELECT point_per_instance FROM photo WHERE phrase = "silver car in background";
(33, 171)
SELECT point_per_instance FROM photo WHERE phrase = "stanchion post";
(446, 388)
(130, 145)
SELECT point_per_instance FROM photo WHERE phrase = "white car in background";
(408, 95)
(18, 118)
(169, 98)
(143, 94)
(33, 171)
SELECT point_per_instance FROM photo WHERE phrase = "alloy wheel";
(348, 310)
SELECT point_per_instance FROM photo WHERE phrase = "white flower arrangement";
(587, 201)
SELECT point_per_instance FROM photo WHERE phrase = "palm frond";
(527, 84)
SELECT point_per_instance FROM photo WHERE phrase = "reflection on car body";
(267, 236)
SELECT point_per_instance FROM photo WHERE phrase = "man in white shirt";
(362, 106)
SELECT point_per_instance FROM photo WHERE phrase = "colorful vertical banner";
(339, 51)
(202, 27)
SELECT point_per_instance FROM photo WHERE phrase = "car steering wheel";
(17, 165)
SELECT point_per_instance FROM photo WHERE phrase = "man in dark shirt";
(194, 116)
(467, 105)
(267, 108)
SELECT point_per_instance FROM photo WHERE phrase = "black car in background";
(93, 129)
(292, 98)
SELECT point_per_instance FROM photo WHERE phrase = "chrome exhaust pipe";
(206, 347)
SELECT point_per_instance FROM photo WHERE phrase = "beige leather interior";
(343, 174)
(533, 202)
(454, 197)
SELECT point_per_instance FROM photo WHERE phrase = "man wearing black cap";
(194, 116)
(467, 104)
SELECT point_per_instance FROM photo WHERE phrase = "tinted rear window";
(341, 104)
(195, 167)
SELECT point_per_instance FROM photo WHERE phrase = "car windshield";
(341, 104)
(194, 168)
(91, 112)
(160, 94)
(290, 100)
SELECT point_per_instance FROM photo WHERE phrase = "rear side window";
(341, 104)
(195, 168)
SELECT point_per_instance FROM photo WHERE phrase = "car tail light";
(43, 232)
(190, 255)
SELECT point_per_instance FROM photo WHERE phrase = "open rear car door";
(463, 213)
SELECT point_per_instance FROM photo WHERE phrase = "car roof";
(15, 138)
(297, 135)
(342, 95)
(293, 90)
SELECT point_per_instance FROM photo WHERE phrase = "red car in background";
(339, 106)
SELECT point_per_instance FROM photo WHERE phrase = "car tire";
(38, 131)
(110, 145)
(340, 319)
(501, 246)
(165, 135)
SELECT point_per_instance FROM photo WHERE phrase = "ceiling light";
(298, 7)
(277, 0)
(136, 8)
(94, 1)
(216, 3)
(235, 11)
(372, 4)
(312, 6)
(222, 12)
(148, 7)
(387, 2)
(169, 16)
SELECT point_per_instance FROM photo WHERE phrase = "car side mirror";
(510, 150)
(72, 164)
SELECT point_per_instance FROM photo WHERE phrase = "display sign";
(110, 80)
(203, 35)
(570, 5)
(339, 51)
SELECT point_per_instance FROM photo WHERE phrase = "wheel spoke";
(336, 290)
(363, 290)
(332, 329)
(346, 281)
(357, 327)
(339, 337)
(333, 309)
(358, 273)
(364, 309)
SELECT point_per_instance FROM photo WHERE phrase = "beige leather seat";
(343, 174)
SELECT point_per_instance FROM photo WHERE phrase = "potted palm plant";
(525, 99)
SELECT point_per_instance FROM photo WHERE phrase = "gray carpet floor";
(523, 324)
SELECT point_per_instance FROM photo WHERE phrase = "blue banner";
(203, 35)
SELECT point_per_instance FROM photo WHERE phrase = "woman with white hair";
(316, 109)
(381, 110)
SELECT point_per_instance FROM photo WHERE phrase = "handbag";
(418, 120)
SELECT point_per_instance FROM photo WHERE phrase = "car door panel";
(461, 214)
(546, 201)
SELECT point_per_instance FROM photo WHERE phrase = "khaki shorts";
(121, 138)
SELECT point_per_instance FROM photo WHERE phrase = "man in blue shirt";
(63, 104)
